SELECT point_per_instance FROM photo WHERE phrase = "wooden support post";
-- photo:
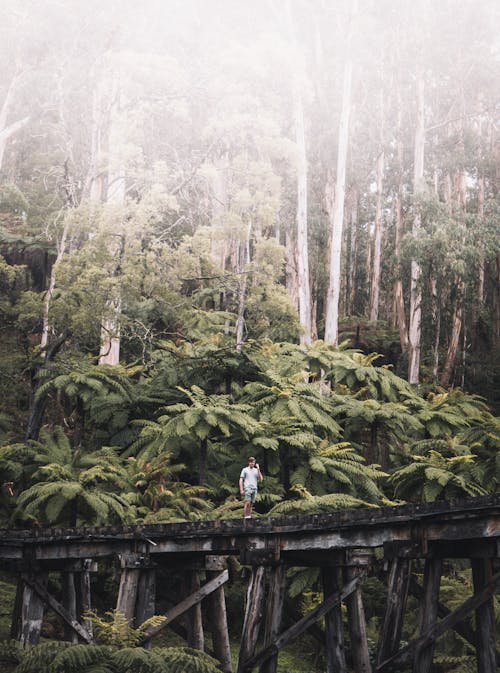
(15, 626)
(146, 596)
(402, 658)
(302, 625)
(397, 593)
(196, 638)
(69, 603)
(274, 612)
(334, 636)
(218, 615)
(360, 654)
(482, 573)
(84, 593)
(253, 616)
(32, 610)
(127, 593)
(424, 652)
(47, 599)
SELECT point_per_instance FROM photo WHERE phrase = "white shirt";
(250, 476)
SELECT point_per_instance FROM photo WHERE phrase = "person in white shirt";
(249, 479)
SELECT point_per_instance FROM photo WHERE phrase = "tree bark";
(337, 216)
(9, 130)
(302, 226)
(414, 333)
(353, 242)
(377, 242)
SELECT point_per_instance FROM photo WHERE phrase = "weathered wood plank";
(403, 657)
(424, 649)
(397, 593)
(187, 603)
(218, 619)
(254, 607)
(304, 623)
(274, 612)
(84, 593)
(32, 610)
(127, 592)
(69, 604)
(461, 627)
(146, 596)
(360, 654)
(43, 595)
(196, 637)
(334, 628)
(482, 572)
(472, 520)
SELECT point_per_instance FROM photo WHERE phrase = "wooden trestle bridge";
(343, 545)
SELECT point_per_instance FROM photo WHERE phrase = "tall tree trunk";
(400, 312)
(353, 242)
(9, 130)
(291, 264)
(336, 211)
(480, 212)
(377, 242)
(39, 404)
(302, 227)
(456, 329)
(115, 194)
(496, 302)
(244, 261)
(302, 252)
(415, 329)
(436, 317)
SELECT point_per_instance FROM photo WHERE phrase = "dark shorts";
(250, 493)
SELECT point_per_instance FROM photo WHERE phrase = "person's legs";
(250, 494)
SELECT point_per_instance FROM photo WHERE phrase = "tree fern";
(316, 504)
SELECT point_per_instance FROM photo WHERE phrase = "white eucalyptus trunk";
(245, 261)
(109, 353)
(304, 289)
(353, 243)
(337, 217)
(415, 328)
(377, 242)
(9, 130)
(61, 249)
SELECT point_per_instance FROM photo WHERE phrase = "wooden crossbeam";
(304, 623)
(187, 603)
(405, 654)
(58, 608)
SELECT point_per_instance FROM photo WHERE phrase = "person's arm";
(259, 472)
(242, 491)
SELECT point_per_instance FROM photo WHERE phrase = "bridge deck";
(454, 525)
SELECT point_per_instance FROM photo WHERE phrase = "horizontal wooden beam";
(58, 608)
(187, 603)
(303, 624)
(405, 654)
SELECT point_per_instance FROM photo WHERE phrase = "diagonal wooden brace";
(304, 623)
(404, 655)
(58, 608)
(187, 603)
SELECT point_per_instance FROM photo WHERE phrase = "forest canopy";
(231, 229)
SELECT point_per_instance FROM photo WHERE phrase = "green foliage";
(62, 657)
(115, 630)
(436, 477)
(65, 485)
(306, 503)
